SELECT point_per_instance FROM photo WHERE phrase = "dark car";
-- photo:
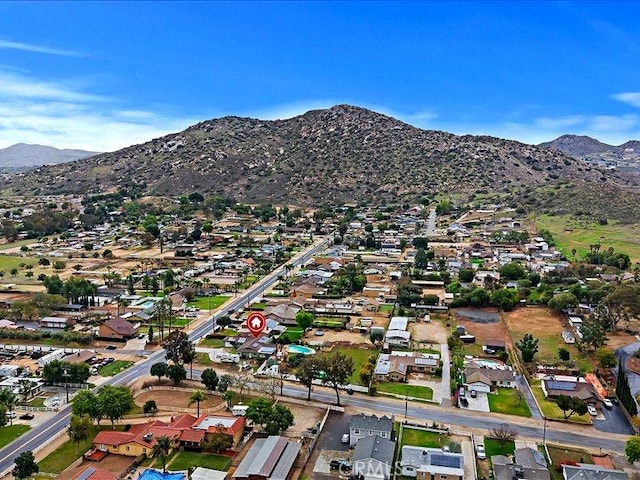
(27, 416)
(111, 347)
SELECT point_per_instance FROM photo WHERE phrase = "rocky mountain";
(579, 145)
(341, 154)
(22, 155)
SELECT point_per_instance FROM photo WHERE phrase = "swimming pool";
(150, 474)
(300, 349)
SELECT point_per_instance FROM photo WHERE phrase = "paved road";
(38, 436)
(527, 394)
(431, 223)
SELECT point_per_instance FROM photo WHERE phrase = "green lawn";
(36, 402)
(7, 262)
(206, 303)
(420, 438)
(114, 368)
(492, 447)
(416, 391)
(506, 400)
(569, 233)
(65, 454)
(560, 454)
(203, 359)
(258, 306)
(359, 356)
(9, 433)
(550, 409)
(181, 321)
(185, 460)
(211, 343)
(385, 308)
(292, 334)
(328, 322)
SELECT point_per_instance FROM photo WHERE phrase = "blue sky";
(102, 76)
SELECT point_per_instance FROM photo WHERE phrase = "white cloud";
(51, 113)
(630, 98)
(28, 47)
(548, 123)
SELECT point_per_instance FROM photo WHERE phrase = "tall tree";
(197, 397)
(528, 346)
(115, 402)
(571, 405)
(79, 428)
(177, 373)
(159, 370)
(9, 400)
(337, 368)
(25, 466)
(161, 449)
(85, 402)
(209, 379)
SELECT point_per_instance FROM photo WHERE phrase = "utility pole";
(544, 431)
(66, 382)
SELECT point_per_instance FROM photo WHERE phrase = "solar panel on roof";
(86, 474)
(557, 385)
(449, 461)
(537, 456)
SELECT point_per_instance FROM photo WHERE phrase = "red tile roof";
(190, 435)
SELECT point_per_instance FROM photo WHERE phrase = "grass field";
(385, 308)
(7, 262)
(547, 327)
(65, 454)
(328, 322)
(359, 357)
(9, 433)
(206, 303)
(36, 402)
(493, 447)
(114, 368)
(185, 460)
(292, 334)
(212, 343)
(181, 321)
(550, 409)
(203, 359)
(420, 438)
(19, 243)
(403, 389)
(506, 400)
(569, 233)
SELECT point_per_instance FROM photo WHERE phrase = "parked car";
(607, 403)
(27, 416)
(480, 453)
(111, 347)
(55, 401)
(319, 333)
(345, 438)
(592, 411)
(11, 415)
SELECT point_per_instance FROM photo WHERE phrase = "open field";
(114, 368)
(185, 460)
(64, 455)
(7, 262)
(547, 327)
(166, 399)
(570, 233)
(421, 438)
(208, 303)
(211, 343)
(396, 388)
(10, 432)
(506, 400)
(483, 328)
(359, 357)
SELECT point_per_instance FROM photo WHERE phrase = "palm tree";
(197, 397)
(161, 449)
(9, 400)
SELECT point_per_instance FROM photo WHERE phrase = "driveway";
(527, 394)
(612, 421)
(479, 404)
(337, 424)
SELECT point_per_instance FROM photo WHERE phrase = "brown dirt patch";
(619, 340)
(337, 336)
(485, 331)
(305, 417)
(536, 321)
(432, 332)
(167, 400)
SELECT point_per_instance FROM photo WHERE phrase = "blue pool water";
(149, 474)
(300, 349)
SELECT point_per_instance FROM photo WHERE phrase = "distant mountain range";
(23, 156)
(585, 147)
(343, 154)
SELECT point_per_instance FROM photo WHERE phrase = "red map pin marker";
(256, 323)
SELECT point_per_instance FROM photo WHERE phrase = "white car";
(480, 453)
(345, 438)
(592, 411)
(11, 415)
(607, 403)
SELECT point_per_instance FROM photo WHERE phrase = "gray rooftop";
(375, 447)
(592, 472)
(271, 457)
(371, 422)
(433, 460)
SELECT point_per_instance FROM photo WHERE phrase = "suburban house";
(362, 426)
(250, 347)
(117, 329)
(527, 464)
(373, 458)
(555, 385)
(396, 366)
(483, 379)
(493, 346)
(269, 458)
(57, 322)
(184, 431)
(585, 471)
(285, 314)
(397, 334)
(431, 463)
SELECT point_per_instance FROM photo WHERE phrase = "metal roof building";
(269, 458)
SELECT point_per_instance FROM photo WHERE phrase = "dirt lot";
(484, 331)
(432, 332)
(167, 399)
(619, 340)
(337, 336)
(305, 417)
